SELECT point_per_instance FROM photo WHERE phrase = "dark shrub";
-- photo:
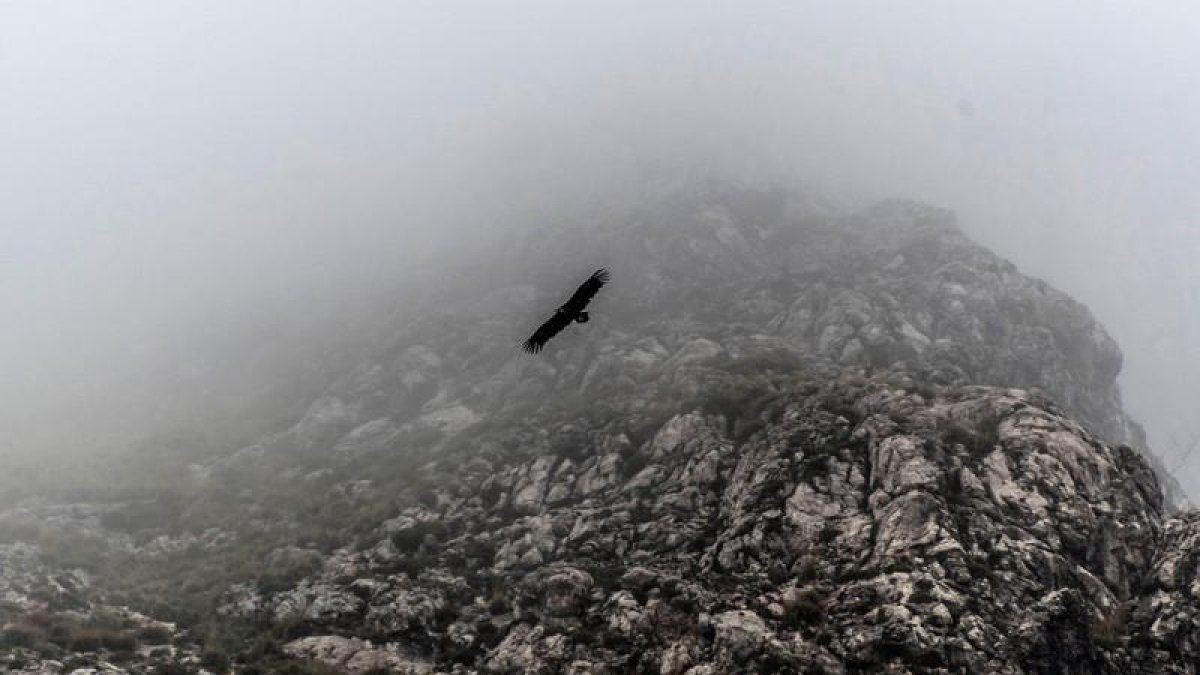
(1109, 632)
(118, 642)
(805, 609)
(85, 640)
(215, 659)
(154, 635)
(23, 635)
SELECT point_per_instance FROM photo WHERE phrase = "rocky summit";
(794, 438)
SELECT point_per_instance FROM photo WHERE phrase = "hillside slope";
(790, 439)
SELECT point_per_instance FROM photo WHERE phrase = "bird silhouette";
(571, 311)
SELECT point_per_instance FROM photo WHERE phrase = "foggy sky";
(174, 167)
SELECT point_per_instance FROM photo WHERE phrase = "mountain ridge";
(791, 439)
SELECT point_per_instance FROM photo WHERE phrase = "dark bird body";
(572, 311)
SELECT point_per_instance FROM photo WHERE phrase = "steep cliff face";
(790, 440)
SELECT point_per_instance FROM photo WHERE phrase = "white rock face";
(356, 656)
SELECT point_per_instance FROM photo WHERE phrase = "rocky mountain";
(792, 439)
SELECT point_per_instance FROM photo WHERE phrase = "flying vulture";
(572, 311)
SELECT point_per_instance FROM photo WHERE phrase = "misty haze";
(886, 364)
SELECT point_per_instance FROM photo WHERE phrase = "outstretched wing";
(586, 291)
(553, 326)
(566, 314)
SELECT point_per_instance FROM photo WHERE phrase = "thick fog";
(175, 176)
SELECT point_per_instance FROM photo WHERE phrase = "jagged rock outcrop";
(50, 623)
(356, 656)
(790, 440)
(1167, 614)
(868, 526)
